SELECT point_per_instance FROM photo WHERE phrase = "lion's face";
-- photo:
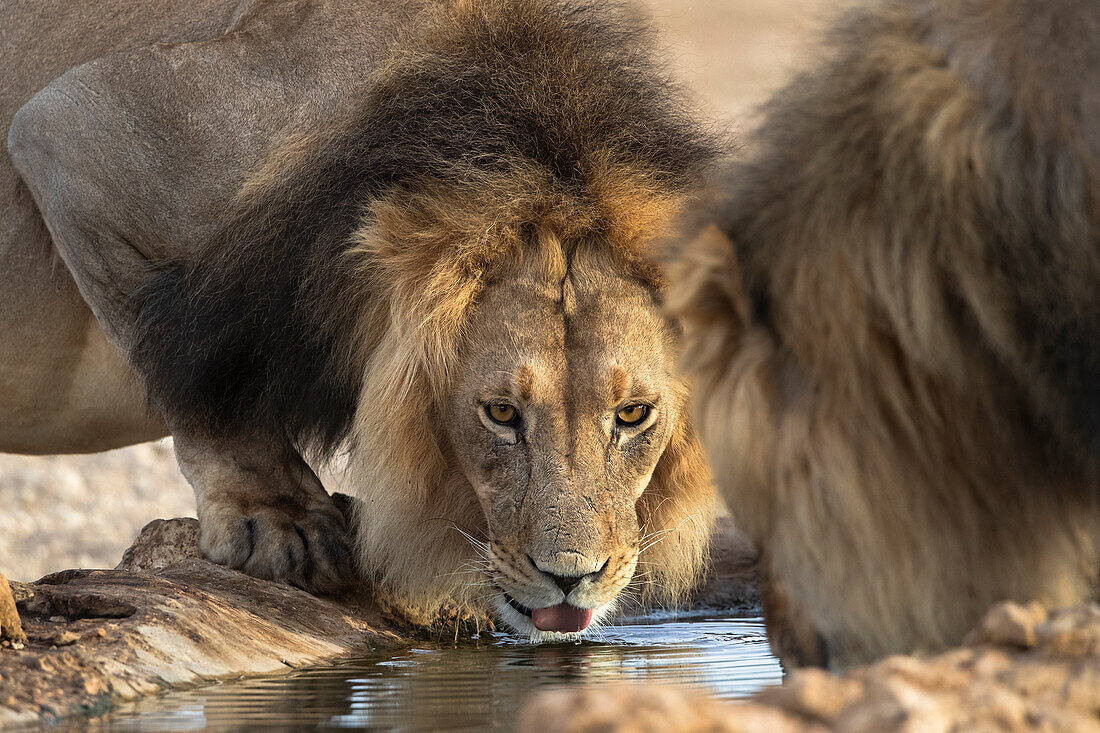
(564, 403)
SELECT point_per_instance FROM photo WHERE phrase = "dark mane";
(263, 330)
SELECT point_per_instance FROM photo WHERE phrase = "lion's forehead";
(615, 316)
(574, 334)
(571, 365)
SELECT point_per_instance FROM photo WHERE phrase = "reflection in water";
(476, 685)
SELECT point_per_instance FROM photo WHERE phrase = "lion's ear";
(677, 514)
(708, 296)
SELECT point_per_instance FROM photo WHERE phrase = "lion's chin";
(521, 623)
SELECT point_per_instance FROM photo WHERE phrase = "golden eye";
(502, 413)
(632, 414)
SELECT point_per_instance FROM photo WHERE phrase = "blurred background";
(62, 512)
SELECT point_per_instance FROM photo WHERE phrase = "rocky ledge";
(1022, 669)
(165, 617)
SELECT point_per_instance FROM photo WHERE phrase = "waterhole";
(475, 685)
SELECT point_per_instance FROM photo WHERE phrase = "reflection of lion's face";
(563, 406)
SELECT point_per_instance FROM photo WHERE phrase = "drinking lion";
(419, 234)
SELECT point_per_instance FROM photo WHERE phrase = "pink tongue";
(561, 617)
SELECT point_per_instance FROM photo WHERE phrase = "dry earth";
(82, 511)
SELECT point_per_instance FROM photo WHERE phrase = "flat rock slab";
(164, 618)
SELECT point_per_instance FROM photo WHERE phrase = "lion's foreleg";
(794, 639)
(263, 510)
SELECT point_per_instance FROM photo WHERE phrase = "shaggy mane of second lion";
(894, 321)
(330, 306)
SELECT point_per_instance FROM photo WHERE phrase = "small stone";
(66, 638)
(945, 672)
(648, 708)
(58, 620)
(11, 628)
(987, 700)
(1072, 632)
(991, 662)
(162, 544)
(1009, 624)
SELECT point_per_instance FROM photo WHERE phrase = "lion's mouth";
(563, 617)
(519, 607)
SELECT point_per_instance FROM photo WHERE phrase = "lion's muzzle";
(561, 593)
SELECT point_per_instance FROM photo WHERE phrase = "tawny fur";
(895, 319)
(410, 543)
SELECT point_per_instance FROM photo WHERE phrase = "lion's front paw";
(305, 547)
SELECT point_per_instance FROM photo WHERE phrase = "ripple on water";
(475, 685)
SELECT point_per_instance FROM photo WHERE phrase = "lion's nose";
(567, 581)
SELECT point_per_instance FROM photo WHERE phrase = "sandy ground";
(82, 511)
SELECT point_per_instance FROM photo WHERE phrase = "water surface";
(476, 685)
